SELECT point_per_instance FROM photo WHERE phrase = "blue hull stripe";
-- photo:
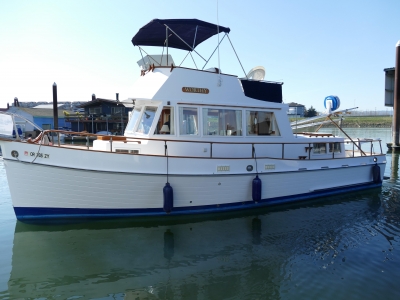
(27, 213)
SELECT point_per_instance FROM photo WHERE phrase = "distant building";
(296, 109)
(99, 115)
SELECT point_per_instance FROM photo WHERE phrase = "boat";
(197, 141)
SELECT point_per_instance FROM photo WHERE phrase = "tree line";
(311, 112)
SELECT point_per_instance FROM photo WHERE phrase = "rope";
(166, 153)
(40, 146)
(255, 158)
(37, 153)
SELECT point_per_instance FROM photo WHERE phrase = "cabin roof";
(98, 101)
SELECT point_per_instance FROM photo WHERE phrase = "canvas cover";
(192, 31)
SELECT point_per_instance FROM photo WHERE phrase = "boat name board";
(196, 90)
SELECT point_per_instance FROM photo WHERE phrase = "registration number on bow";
(41, 155)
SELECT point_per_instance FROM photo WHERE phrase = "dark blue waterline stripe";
(29, 213)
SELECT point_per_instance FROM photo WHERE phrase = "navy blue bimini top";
(192, 31)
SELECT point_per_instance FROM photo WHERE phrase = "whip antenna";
(219, 66)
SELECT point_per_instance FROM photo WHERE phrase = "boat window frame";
(273, 123)
(320, 153)
(133, 131)
(331, 146)
(223, 108)
(173, 116)
(178, 121)
(142, 107)
(151, 127)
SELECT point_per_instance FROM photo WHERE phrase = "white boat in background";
(197, 141)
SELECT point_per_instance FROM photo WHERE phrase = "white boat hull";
(129, 185)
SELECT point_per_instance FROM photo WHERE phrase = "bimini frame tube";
(183, 42)
(237, 57)
(214, 51)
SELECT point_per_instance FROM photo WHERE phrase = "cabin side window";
(165, 124)
(146, 120)
(188, 121)
(261, 123)
(222, 122)
(334, 147)
(134, 116)
(319, 148)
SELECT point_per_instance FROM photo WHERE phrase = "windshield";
(134, 117)
(146, 120)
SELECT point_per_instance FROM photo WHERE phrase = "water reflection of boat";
(237, 257)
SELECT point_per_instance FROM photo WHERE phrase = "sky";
(316, 48)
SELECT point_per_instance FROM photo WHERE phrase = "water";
(341, 247)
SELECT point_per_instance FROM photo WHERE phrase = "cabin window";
(334, 147)
(188, 121)
(261, 123)
(165, 124)
(319, 148)
(134, 116)
(222, 122)
(146, 120)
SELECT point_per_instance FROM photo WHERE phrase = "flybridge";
(183, 34)
(187, 34)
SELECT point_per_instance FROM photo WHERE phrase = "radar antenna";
(257, 73)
